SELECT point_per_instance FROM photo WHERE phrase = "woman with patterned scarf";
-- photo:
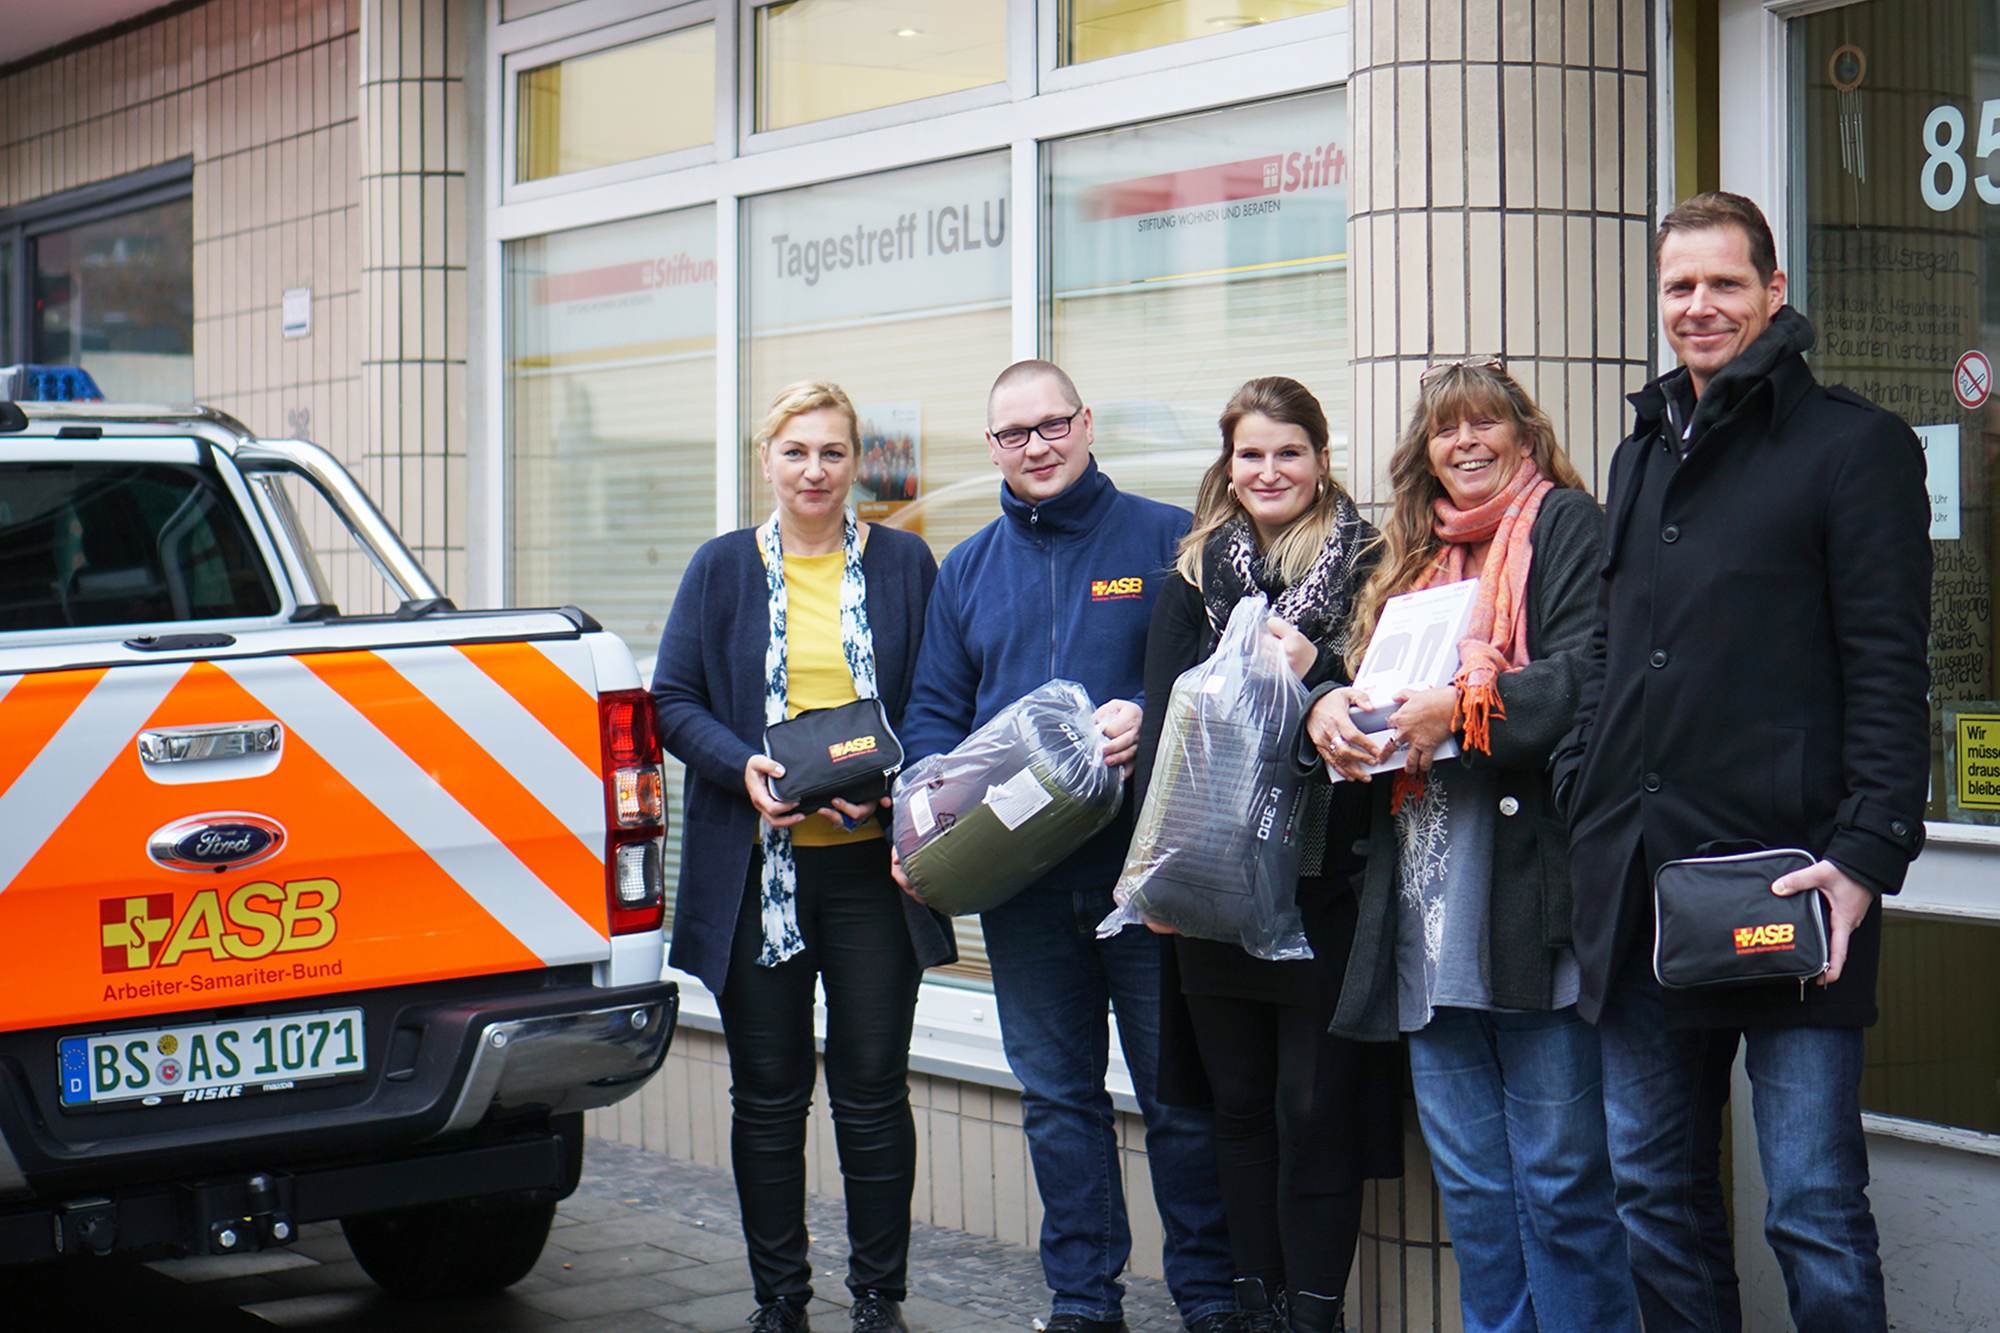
(1301, 1117)
(1463, 940)
(812, 609)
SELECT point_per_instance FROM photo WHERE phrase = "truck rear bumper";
(461, 1090)
(572, 1061)
(242, 1212)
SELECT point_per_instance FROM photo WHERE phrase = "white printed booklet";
(1415, 648)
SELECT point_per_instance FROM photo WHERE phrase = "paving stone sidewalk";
(647, 1244)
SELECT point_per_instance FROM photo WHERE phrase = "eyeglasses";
(1055, 428)
(1437, 368)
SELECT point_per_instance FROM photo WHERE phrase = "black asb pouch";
(850, 752)
(1719, 924)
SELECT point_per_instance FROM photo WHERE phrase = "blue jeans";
(1053, 982)
(1664, 1092)
(1512, 1109)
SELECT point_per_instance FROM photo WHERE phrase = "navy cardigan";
(708, 693)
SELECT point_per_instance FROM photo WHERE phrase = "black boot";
(1258, 1309)
(1317, 1314)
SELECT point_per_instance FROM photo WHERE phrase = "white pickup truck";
(303, 915)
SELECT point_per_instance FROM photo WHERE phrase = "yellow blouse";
(816, 668)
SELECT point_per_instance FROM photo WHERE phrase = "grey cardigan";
(1530, 917)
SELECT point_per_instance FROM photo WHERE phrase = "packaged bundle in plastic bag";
(1216, 851)
(978, 825)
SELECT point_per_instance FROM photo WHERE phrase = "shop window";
(822, 58)
(610, 397)
(1896, 117)
(637, 100)
(1191, 255)
(102, 277)
(1094, 29)
(1921, 1068)
(895, 287)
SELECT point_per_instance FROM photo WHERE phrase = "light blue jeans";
(1512, 1106)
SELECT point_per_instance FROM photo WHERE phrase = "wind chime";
(1847, 68)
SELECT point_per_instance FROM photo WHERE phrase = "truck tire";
(463, 1247)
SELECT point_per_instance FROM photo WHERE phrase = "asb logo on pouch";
(1763, 939)
(254, 921)
(840, 750)
(1111, 590)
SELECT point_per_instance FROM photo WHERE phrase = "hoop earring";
(1231, 488)
(1319, 489)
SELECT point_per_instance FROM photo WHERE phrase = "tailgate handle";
(231, 740)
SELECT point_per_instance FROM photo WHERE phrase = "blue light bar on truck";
(48, 384)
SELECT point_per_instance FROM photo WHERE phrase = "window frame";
(754, 140)
(1057, 77)
(611, 32)
(1027, 110)
(23, 224)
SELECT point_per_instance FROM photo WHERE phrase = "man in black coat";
(1759, 677)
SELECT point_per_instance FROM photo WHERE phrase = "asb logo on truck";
(255, 921)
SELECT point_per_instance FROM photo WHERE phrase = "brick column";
(412, 444)
(1502, 202)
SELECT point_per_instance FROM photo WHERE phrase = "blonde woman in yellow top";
(811, 609)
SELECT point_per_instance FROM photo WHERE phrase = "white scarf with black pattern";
(1316, 606)
(857, 641)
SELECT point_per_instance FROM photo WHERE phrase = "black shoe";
(1258, 1308)
(877, 1314)
(1076, 1323)
(1317, 1314)
(780, 1317)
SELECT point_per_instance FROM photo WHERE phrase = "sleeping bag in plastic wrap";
(978, 825)
(1216, 851)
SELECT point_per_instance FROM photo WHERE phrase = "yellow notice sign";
(1979, 761)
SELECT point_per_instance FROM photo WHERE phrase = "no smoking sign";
(1972, 380)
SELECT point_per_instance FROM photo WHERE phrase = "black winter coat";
(1759, 665)
(1529, 922)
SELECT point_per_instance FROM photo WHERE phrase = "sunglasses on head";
(1437, 368)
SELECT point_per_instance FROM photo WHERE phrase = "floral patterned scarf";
(780, 881)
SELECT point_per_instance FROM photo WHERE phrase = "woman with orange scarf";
(1463, 939)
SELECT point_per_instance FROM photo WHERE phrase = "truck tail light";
(635, 812)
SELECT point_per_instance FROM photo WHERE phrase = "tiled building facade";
(325, 144)
(541, 346)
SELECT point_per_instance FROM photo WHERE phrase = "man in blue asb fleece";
(1061, 585)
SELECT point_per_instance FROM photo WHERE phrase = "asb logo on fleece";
(1116, 590)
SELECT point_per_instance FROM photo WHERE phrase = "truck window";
(122, 544)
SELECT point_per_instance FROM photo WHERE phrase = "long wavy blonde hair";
(1289, 403)
(1410, 544)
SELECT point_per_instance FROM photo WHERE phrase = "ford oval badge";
(216, 842)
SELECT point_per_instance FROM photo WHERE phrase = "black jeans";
(858, 946)
(1263, 1061)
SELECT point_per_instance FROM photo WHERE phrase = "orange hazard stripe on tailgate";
(533, 680)
(476, 779)
(34, 710)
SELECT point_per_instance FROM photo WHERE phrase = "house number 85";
(1943, 178)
